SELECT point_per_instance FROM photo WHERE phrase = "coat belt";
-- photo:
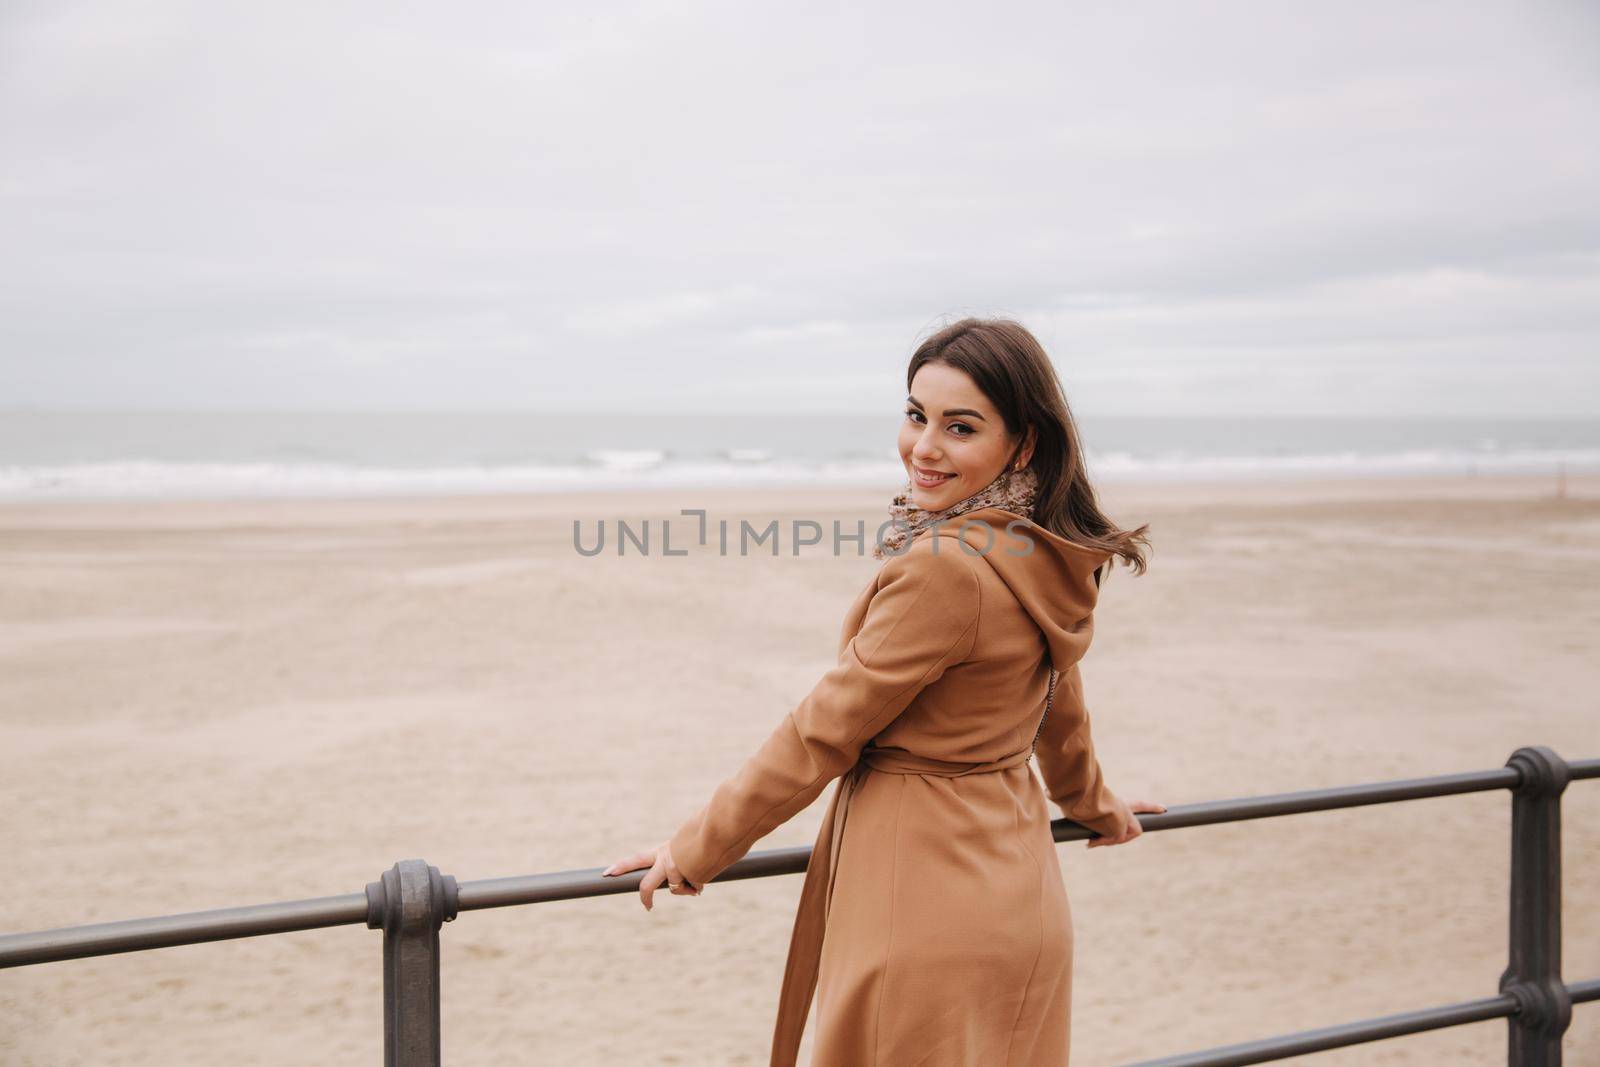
(805, 944)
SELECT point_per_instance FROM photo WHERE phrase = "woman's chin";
(932, 499)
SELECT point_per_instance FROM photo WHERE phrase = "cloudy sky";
(1388, 208)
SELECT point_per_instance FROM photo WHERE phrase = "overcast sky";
(1200, 208)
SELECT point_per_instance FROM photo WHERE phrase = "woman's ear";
(1025, 453)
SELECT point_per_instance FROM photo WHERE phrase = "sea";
(48, 455)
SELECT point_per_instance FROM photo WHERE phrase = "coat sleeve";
(921, 620)
(1067, 761)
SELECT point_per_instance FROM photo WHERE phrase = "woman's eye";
(963, 429)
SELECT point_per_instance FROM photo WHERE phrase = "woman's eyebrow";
(950, 411)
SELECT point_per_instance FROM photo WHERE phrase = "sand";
(205, 705)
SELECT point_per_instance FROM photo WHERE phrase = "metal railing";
(411, 901)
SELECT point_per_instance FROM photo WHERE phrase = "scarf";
(1012, 490)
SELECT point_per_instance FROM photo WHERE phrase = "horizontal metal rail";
(189, 928)
(1281, 1048)
(412, 900)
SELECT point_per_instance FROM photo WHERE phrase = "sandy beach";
(211, 704)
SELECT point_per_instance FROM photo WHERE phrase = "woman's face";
(952, 441)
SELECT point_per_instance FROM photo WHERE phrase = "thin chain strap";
(1048, 696)
(1099, 577)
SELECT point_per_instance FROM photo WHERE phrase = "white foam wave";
(653, 469)
(627, 459)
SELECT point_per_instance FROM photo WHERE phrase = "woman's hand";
(1132, 829)
(662, 870)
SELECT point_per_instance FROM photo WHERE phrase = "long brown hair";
(1010, 365)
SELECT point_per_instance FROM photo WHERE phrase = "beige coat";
(933, 925)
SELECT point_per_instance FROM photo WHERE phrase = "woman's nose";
(924, 452)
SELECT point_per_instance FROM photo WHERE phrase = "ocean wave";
(654, 469)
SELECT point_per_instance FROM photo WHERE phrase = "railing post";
(1533, 976)
(409, 903)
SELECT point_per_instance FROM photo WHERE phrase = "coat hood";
(1054, 580)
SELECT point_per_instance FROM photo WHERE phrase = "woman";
(933, 924)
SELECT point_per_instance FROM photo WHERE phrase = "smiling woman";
(960, 447)
(933, 925)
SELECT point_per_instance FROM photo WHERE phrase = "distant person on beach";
(933, 924)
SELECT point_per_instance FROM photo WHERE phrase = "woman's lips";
(928, 479)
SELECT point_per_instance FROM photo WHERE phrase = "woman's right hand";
(1132, 829)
